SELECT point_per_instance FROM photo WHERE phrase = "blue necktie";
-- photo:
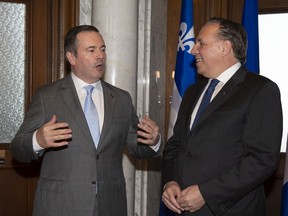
(206, 99)
(91, 115)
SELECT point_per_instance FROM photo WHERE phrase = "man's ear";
(71, 58)
(226, 48)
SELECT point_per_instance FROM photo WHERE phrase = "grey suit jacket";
(80, 180)
(232, 149)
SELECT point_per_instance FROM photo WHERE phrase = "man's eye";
(103, 49)
(91, 50)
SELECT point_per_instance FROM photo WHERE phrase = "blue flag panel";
(185, 72)
(250, 23)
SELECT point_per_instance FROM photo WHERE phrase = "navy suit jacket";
(232, 149)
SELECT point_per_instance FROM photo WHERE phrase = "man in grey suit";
(218, 164)
(79, 176)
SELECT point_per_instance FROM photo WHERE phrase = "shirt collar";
(80, 84)
(227, 74)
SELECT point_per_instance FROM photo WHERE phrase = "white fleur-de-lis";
(186, 36)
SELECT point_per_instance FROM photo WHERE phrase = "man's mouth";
(100, 66)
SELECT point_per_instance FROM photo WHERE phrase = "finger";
(146, 139)
(144, 134)
(145, 127)
(53, 120)
(183, 203)
(150, 123)
(61, 131)
(59, 144)
(147, 131)
(62, 134)
(171, 194)
(53, 125)
(170, 205)
(53, 134)
(61, 137)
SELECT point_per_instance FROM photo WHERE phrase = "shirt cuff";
(157, 146)
(36, 147)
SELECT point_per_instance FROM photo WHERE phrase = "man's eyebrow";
(94, 47)
(90, 47)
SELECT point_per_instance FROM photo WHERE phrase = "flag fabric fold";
(250, 23)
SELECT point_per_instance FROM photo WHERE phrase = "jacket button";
(93, 183)
(97, 157)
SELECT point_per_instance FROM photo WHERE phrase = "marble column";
(152, 28)
(117, 22)
(135, 35)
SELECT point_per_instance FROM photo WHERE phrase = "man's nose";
(100, 54)
(194, 50)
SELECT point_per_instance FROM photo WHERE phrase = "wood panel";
(51, 20)
(17, 185)
(47, 23)
(273, 6)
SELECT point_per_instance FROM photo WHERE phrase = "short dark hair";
(70, 44)
(235, 33)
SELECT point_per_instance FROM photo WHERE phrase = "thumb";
(53, 120)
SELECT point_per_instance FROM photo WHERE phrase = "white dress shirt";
(97, 96)
(223, 79)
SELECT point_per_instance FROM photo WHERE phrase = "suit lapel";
(192, 98)
(225, 93)
(109, 106)
(71, 100)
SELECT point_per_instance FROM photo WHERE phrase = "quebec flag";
(185, 71)
(250, 23)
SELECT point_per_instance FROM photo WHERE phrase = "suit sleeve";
(174, 146)
(138, 150)
(21, 146)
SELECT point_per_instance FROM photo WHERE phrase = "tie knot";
(89, 89)
(213, 83)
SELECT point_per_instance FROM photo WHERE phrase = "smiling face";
(210, 52)
(89, 61)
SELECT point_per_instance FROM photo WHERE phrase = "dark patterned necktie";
(206, 99)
